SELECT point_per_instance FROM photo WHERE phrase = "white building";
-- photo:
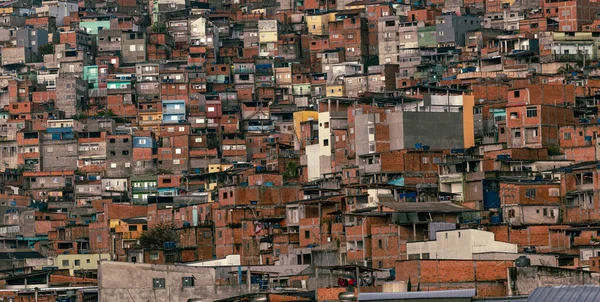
(458, 244)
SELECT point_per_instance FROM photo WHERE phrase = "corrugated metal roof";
(566, 293)
(425, 207)
(439, 294)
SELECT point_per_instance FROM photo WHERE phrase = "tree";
(24, 168)
(156, 237)
(159, 28)
(46, 49)
(291, 170)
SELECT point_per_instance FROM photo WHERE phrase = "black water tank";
(522, 261)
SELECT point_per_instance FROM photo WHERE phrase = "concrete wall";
(313, 162)
(526, 279)
(361, 130)
(121, 281)
(536, 259)
(59, 155)
(439, 130)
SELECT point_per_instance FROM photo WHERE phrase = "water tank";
(394, 287)
(346, 296)
(522, 261)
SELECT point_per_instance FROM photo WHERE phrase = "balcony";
(243, 70)
(153, 109)
(144, 189)
(571, 57)
(98, 93)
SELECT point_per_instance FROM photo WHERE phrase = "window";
(154, 256)
(131, 47)
(567, 135)
(545, 212)
(531, 112)
(517, 94)
(65, 263)
(306, 234)
(380, 243)
(325, 142)
(187, 281)
(176, 162)
(113, 165)
(326, 125)
(125, 152)
(77, 263)
(517, 133)
(158, 282)
(178, 151)
(198, 139)
(530, 193)
(127, 165)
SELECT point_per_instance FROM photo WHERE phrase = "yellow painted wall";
(266, 37)
(86, 261)
(318, 24)
(468, 121)
(303, 116)
(335, 91)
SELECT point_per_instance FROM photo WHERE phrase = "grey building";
(119, 155)
(71, 94)
(451, 29)
(6, 34)
(16, 55)
(12, 20)
(355, 85)
(439, 130)
(32, 38)
(59, 151)
(393, 36)
(133, 48)
(109, 41)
